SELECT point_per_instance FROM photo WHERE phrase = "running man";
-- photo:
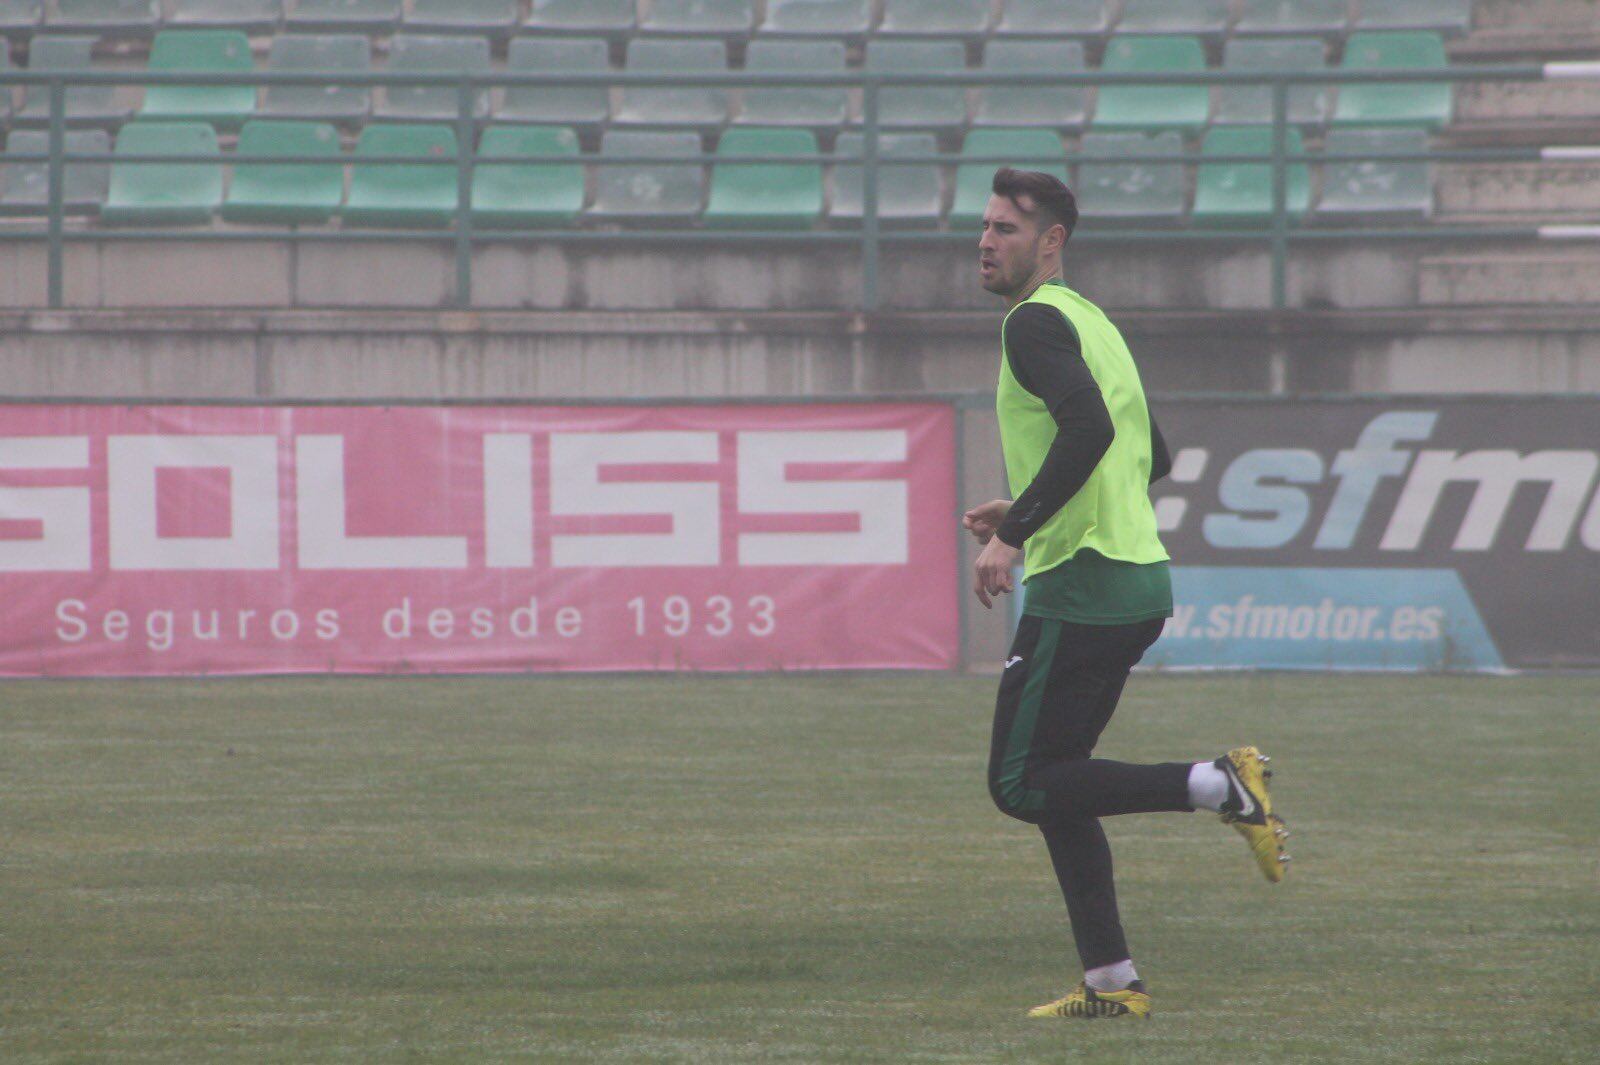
(1081, 452)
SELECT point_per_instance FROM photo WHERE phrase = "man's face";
(1009, 249)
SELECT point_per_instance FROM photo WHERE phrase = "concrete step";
(1532, 277)
(1536, 14)
(1546, 191)
(1526, 113)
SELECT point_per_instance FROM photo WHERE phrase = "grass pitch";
(780, 869)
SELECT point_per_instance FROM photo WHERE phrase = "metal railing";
(871, 237)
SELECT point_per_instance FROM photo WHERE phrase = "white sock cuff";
(1208, 787)
(1113, 977)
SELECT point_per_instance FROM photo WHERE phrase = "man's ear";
(1056, 234)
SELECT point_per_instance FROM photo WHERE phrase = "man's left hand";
(992, 571)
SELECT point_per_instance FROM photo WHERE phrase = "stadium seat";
(1421, 104)
(1244, 105)
(1130, 193)
(1203, 18)
(726, 18)
(919, 106)
(86, 105)
(342, 52)
(776, 195)
(934, 18)
(1056, 106)
(347, 16)
(164, 193)
(18, 18)
(1292, 18)
(506, 195)
(817, 18)
(1375, 191)
(585, 106)
(201, 51)
(1153, 107)
(25, 187)
(1053, 18)
(403, 194)
(5, 90)
(484, 17)
(1240, 194)
(434, 55)
(249, 16)
(1029, 148)
(1449, 17)
(689, 106)
(103, 16)
(814, 106)
(286, 193)
(648, 192)
(610, 17)
(908, 193)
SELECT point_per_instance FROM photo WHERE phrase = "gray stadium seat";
(1375, 191)
(25, 187)
(1292, 18)
(18, 18)
(812, 106)
(934, 18)
(585, 106)
(103, 16)
(86, 105)
(648, 192)
(609, 17)
(919, 106)
(908, 193)
(1449, 17)
(1243, 105)
(689, 106)
(727, 18)
(1057, 106)
(485, 17)
(1130, 193)
(1054, 18)
(433, 103)
(332, 103)
(1202, 18)
(817, 18)
(250, 16)
(350, 16)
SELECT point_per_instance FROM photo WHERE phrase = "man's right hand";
(982, 521)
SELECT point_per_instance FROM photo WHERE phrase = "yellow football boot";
(1085, 1002)
(1249, 810)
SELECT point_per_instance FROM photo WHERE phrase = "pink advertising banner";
(159, 540)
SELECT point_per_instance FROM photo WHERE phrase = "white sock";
(1208, 787)
(1113, 977)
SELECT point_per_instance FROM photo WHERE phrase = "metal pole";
(56, 180)
(464, 157)
(869, 198)
(1280, 197)
(962, 609)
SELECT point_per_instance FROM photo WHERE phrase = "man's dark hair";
(1050, 196)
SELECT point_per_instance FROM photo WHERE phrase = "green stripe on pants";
(1017, 795)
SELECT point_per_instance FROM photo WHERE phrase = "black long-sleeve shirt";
(1047, 360)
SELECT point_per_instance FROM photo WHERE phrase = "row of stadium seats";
(738, 18)
(784, 193)
(1183, 107)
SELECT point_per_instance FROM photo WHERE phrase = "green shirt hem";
(1090, 589)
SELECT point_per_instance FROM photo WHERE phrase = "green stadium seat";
(507, 195)
(657, 193)
(487, 17)
(908, 193)
(690, 106)
(1244, 105)
(776, 195)
(1449, 17)
(919, 106)
(1203, 18)
(586, 106)
(433, 55)
(973, 180)
(25, 187)
(18, 18)
(103, 16)
(1375, 191)
(249, 16)
(200, 51)
(1057, 106)
(1135, 193)
(934, 18)
(86, 105)
(156, 194)
(286, 193)
(347, 16)
(340, 52)
(1054, 18)
(727, 18)
(610, 17)
(813, 106)
(817, 18)
(1153, 107)
(1422, 104)
(1293, 18)
(1240, 194)
(410, 195)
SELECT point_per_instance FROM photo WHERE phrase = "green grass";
(783, 869)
